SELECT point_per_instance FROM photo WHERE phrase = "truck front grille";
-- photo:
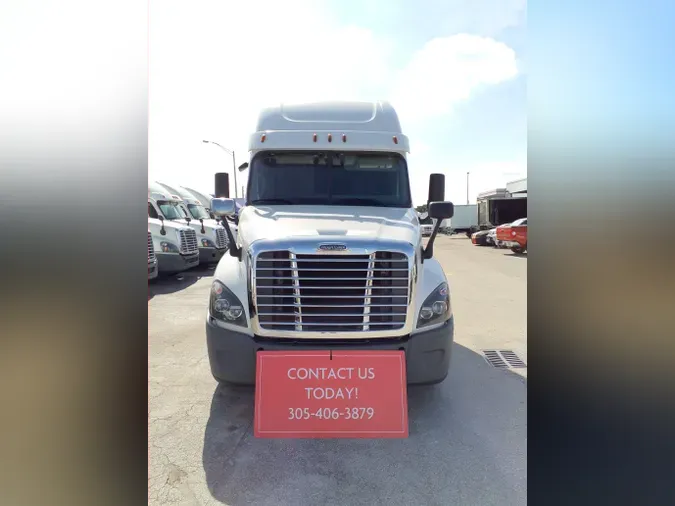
(221, 237)
(188, 241)
(151, 249)
(331, 293)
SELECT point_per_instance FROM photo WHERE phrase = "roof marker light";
(330, 137)
(314, 137)
(344, 137)
(263, 137)
(395, 139)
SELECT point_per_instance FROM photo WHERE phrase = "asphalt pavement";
(468, 435)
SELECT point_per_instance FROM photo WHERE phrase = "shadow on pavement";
(166, 284)
(467, 445)
(511, 254)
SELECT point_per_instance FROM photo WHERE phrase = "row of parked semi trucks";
(182, 230)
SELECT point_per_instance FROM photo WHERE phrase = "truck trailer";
(499, 207)
(465, 220)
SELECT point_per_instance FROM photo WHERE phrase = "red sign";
(324, 394)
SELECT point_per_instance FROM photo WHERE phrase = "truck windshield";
(170, 210)
(198, 212)
(330, 178)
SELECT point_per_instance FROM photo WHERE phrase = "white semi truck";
(174, 245)
(329, 253)
(211, 234)
(162, 202)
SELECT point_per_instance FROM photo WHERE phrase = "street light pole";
(234, 164)
(467, 188)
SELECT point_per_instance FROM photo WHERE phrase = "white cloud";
(450, 70)
(487, 17)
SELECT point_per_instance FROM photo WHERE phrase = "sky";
(453, 69)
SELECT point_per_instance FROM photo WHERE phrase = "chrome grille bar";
(336, 314)
(292, 296)
(321, 258)
(296, 292)
(350, 270)
(353, 324)
(337, 287)
(369, 292)
(327, 305)
(296, 278)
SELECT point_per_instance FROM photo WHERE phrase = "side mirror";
(222, 207)
(436, 188)
(441, 210)
(243, 166)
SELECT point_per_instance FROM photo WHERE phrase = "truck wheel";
(518, 250)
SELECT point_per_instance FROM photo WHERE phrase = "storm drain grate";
(503, 359)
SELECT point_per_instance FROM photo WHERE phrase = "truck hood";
(334, 222)
(209, 225)
(154, 223)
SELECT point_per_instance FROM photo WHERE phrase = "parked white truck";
(427, 229)
(174, 245)
(211, 234)
(329, 253)
(162, 202)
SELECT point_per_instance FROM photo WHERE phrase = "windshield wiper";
(360, 202)
(272, 201)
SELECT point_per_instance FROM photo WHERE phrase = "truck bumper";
(512, 244)
(153, 271)
(232, 355)
(173, 262)
(211, 255)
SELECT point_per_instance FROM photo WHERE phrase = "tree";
(421, 209)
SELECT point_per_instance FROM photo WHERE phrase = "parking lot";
(468, 435)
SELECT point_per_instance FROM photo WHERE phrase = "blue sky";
(610, 71)
(455, 71)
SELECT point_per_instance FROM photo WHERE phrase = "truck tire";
(518, 250)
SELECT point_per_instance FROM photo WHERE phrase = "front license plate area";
(324, 394)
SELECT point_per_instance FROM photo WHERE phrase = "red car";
(514, 236)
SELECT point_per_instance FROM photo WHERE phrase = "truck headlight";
(225, 306)
(169, 247)
(436, 307)
(206, 243)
